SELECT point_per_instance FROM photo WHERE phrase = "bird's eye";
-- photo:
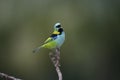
(58, 26)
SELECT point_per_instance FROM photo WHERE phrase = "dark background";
(91, 50)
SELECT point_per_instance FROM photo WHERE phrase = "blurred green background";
(91, 50)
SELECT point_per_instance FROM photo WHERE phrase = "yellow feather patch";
(48, 40)
(56, 32)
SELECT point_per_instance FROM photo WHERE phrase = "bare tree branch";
(55, 57)
(7, 77)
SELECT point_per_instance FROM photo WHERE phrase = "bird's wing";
(49, 39)
(52, 37)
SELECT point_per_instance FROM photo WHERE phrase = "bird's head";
(57, 26)
(58, 29)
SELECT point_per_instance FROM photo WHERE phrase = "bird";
(56, 39)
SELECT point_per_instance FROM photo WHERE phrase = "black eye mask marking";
(58, 26)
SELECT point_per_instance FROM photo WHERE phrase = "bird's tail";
(37, 49)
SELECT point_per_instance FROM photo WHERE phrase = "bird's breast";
(60, 39)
